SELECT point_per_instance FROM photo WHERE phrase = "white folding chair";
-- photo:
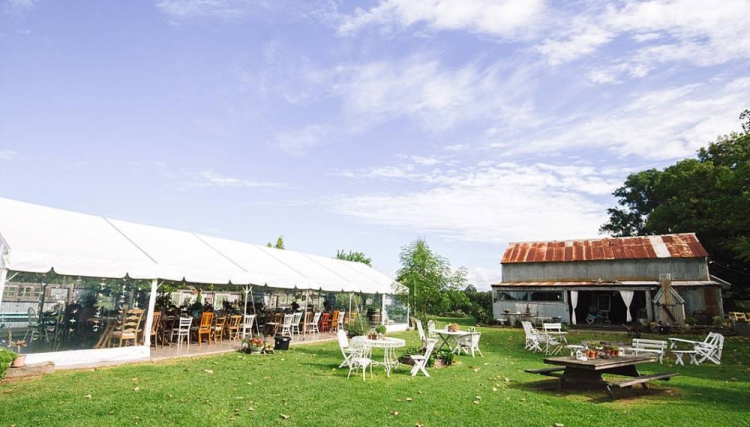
(313, 326)
(247, 324)
(710, 351)
(286, 326)
(469, 343)
(182, 331)
(532, 337)
(431, 329)
(420, 361)
(420, 329)
(359, 357)
(296, 319)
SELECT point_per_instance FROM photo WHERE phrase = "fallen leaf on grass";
(137, 389)
(494, 388)
(476, 369)
(559, 425)
(419, 424)
(409, 399)
(395, 413)
(251, 409)
(476, 402)
(478, 397)
(284, 417)
(507, 380)
(208, 371)
(88, 396)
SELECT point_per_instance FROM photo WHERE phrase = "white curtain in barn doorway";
(574, 303)
(627, 296)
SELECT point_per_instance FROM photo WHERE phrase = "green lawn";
(303, 385)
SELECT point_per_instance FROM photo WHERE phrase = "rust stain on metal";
(610, 248)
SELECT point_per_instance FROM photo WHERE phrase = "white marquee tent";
(39, 239)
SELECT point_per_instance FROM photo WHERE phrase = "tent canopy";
(38, 239)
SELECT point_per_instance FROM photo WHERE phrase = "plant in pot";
(253, 345)
(380, 330)
(20, 360)
(6, 360)
(453, 327)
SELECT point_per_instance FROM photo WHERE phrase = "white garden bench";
(656, 347)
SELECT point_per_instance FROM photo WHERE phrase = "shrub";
(718, 321)
(6, 358)
(381, 329)
(358, 327)
(690, 321)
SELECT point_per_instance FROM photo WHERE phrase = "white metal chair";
(347, 350)
(552, 338)
(533, 341)
(470, 343)
(286, 325)
(296, 319)
(247, 324)
(420, 361)
(313, 326)
(182, 331)
(359, 357)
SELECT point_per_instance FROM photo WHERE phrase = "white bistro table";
(389, 346)
(450, 339)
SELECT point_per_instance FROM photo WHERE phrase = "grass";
(304, 385)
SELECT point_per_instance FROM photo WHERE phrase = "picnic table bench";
(571, 370)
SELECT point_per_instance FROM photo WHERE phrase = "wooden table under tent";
(83, 289)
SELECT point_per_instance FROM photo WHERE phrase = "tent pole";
(244, 314)
(150, 314)
(3, 276)
(252, 297)
(351, 294)
(304, 315)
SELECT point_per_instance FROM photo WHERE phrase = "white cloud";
(19, 6)
(664, 124)
(7, 154)
(494, 204)
(500, 18)
(212, 179)
(437, 97)
(223, 9)
(299, 141)
(668, 31)
(483, 278)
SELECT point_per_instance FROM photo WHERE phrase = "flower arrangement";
(255, 344)
(453, 327)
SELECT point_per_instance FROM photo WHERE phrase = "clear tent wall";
(43, 313)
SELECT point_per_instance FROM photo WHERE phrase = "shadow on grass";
(596, 394)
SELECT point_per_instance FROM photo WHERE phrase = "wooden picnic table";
(571, 370)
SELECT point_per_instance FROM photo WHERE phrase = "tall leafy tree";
(354, 256)
(426, 278)
(708, 195)
(279, 243)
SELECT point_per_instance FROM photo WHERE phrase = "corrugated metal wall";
(679, 268)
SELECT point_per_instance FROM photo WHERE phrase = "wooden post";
(649, 306)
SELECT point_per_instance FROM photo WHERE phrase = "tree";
(427, 279)
(708, 195)
(279, 243)
(354, 256)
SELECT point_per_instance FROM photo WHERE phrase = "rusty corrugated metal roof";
(609, 248)
(553, 284)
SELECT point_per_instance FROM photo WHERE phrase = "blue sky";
(365, 125)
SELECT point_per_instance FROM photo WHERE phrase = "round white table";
(389, 346)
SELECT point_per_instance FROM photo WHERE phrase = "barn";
(609, 281)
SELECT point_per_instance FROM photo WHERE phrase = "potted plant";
(453, 327)
(20, 359)
(253, 345)
(380, 329)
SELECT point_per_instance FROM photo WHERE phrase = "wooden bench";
(642, 380)
(649, 346)
(550, 372)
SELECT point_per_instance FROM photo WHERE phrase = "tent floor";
(166, 352)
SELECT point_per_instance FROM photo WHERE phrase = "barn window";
(547, 296)
(513, 296)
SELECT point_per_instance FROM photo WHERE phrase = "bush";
(359, 327)
(6, 358)
(690, 321)
(718, 321)
(381, 329)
